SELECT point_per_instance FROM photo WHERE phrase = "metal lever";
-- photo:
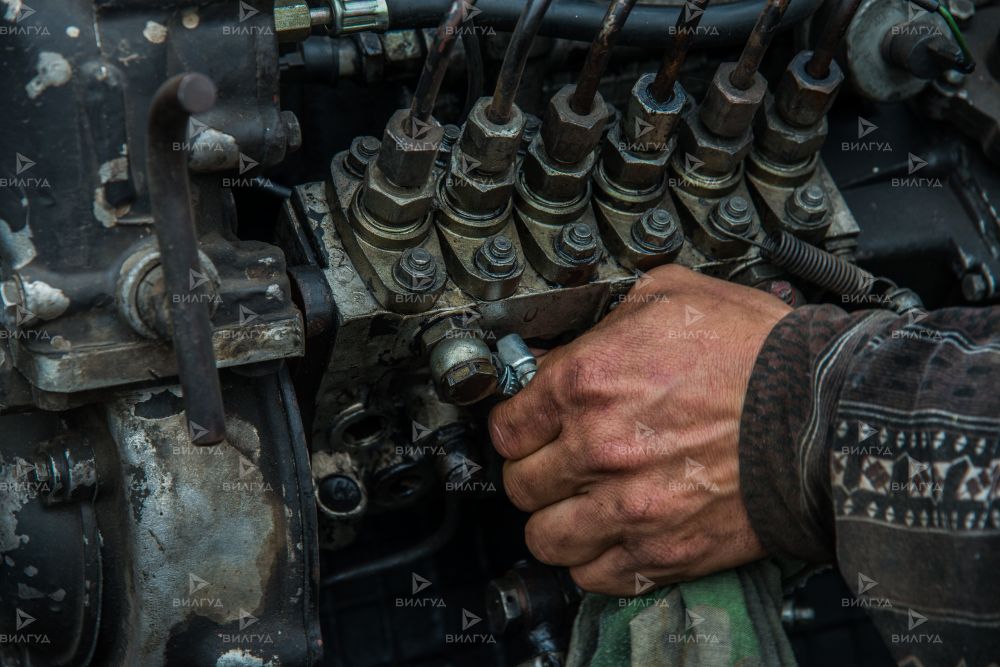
(170, 200)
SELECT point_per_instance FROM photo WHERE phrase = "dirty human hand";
(625, 445)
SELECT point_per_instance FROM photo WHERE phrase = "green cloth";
(728, 619)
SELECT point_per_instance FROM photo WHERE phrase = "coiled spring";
(817, 266)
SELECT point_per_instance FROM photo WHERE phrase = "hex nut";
(393, 205)
(726, 110)
(569, 137)
(552, 181)
(292, 22)
(577, 243)
(718, 154)
(783, 143)
(409, 148)
(493, 146)
(648, 125)
(629, 170)
(473, 191)
(656, 230)
(803, 100)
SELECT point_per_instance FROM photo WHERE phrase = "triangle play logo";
(692, 11)
(692, 315)
(247, 11)
(196, 431)
(865, 431)
(642, 584)
(865, 583)
(865, 127)
(914, 163)
(642, 127)
(692, 164)
(469, 619)
(419, 432)
(247, 163)
(246, 619)
(195, 583)
(418, 583)
(692, 467)
(23, 163)
(691, 619)
(246, 315)
(914, 619)
(24, 619)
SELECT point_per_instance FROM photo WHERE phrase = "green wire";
(968, 64)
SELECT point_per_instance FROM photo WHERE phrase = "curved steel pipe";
(599, 55)
(829, 39)
(170, 200)
(436, 63)
(662, 88)
(753, 52)
(514, 61)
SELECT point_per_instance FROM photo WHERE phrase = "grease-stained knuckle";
(631, 170)
(551, 180)
(634, 507)
(409, 148)
(391, 204)
(727, 110)
(803, 100)
(649, 124)
(718, 154)
(514, 487)
(493, 147)
(568, 136)
(471, 189)
(785, 143)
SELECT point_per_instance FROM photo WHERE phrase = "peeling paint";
(238, 657)
(274, 292)
(53, 70)
(16, 495)
(43, 300)
(190, 18)
(155, 32)
(16, 246)
(72, 31)
(13, 9)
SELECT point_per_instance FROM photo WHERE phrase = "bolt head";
(339, 493)
(733, 214)
(497, 257)
(807, 204)
(577, 243)
(415, 270)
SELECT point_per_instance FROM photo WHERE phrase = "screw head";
(577, 243)
(415, 270)
(655, 230)
(807, 204)
(734, 214)
(363, 150)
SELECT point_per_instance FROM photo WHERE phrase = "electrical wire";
(501, 107)
(436, 63)
(598, 56)
(968, 64)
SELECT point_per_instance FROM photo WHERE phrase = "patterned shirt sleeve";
(873, 441)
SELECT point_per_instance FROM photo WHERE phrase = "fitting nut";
(392, 205)
(726, 110)
(641, 172)
(784, 143)
(493, 146)
(648, 124)
(577, 243)
(733, 216)
(569, 137)
(716, 153)
(409, 148)
(473, 191)
(363, 150)
(552, 181)
(463, 370)
(802, 100)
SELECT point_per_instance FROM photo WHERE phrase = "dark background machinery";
(361, 218)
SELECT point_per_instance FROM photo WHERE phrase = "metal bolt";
(363, 150)
(463, 370)
(416, 269)
(577, 243)
(655, 230)
(497, 257)
(807, 204)
(451, 135)
(733, 214)
(976, 286)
